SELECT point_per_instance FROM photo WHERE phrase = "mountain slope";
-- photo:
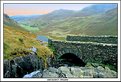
(58, 14)
(99, 19)
(7, 21)
(17, 42)
(102, 24)
(96, 9)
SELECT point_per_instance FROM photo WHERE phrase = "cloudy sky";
(29, 9)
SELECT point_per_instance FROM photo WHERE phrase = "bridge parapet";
(98, 39)
(87, 51)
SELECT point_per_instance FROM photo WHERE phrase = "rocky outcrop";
(22, 65)
(75, 72)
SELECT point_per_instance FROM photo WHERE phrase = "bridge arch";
(71, 59)
(87, 51)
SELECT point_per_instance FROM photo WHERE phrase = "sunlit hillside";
(18, 41)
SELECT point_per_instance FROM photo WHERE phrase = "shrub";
(21, 40)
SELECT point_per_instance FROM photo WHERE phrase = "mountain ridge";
(88, 21)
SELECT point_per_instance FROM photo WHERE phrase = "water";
(31, 74)
(42, 38)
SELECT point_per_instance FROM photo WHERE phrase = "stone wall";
(99, 39)
(87, 51)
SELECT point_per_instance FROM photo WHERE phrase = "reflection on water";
(42, 38)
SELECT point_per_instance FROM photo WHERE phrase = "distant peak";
(27, 15)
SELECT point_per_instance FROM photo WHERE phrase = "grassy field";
(28, 28)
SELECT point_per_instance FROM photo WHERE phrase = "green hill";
(100, 24)
(100, 19)
(9, 22)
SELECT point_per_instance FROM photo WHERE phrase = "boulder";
(54, 70)
(100, 68)
(22, 65)
(114, 74)
(76, 72)
(88, 72)
(34, 49)
(110, 73)
(7, 68)
(50, 74)
(100, 72)
(66, 71)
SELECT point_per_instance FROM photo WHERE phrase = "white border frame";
(60, 79)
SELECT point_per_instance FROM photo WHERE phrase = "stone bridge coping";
(93, 36)
(78, 42)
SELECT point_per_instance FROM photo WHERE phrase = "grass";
(29, 28)
(57, 37)
(18, 43)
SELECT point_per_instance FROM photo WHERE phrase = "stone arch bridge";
(101, 49)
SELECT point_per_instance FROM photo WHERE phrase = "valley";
(67, 22)
(33, 43)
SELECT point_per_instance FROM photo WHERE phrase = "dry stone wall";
(98, 39)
